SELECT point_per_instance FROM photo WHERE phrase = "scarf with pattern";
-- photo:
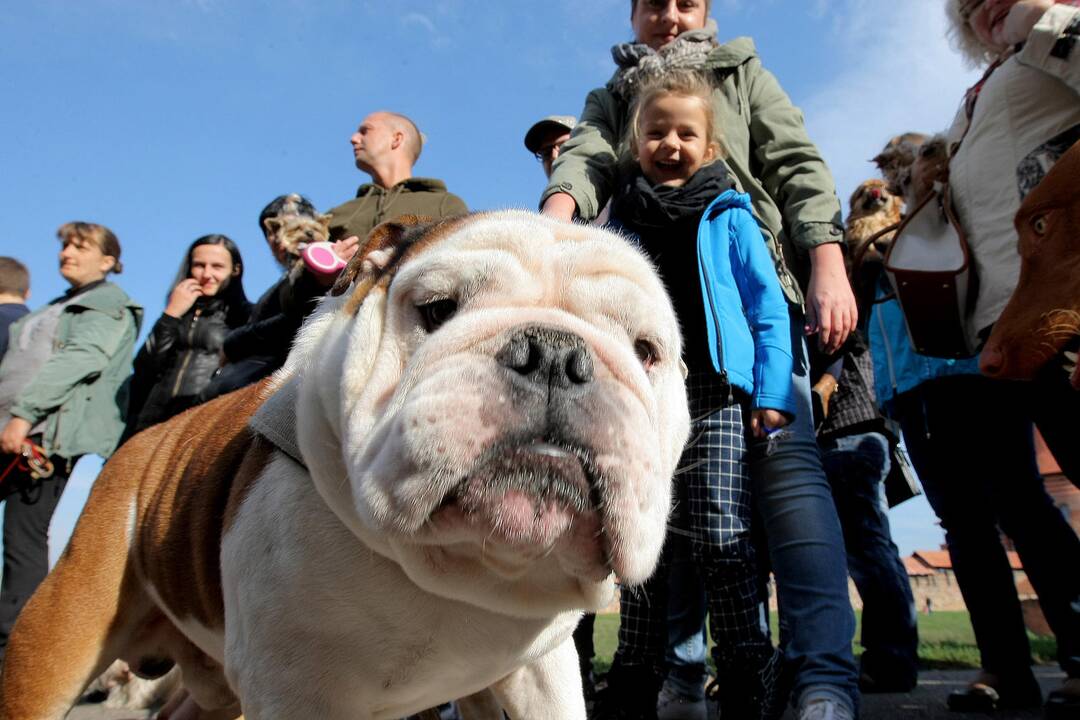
(637, 62)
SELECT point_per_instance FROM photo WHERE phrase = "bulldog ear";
(380, 252)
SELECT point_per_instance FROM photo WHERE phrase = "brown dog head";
(287, 233)
(873, 207)
(1043, 314)
(895, 159)
(930, 166)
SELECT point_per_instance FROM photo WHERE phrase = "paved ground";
(927, 702)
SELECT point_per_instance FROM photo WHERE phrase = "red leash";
(31, 459)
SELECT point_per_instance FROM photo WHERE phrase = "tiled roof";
(936, 559)
(940, 560)
(915, 568)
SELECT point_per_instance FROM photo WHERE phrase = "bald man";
(386, 146)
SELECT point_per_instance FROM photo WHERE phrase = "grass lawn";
(945, 641)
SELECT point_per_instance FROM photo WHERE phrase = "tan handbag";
(929, 267)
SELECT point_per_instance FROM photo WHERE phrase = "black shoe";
(752, 686)
(989, 692)
(629, 694)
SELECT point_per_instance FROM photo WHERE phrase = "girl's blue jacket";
(749, 328)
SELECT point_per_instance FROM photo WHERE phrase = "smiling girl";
(680, 202)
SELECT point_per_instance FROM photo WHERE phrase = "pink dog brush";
(319, 257)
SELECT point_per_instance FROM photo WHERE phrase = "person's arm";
(584, 173)
(154, 355)
(1051, 36)
(793, 172)
(95, 337)
(262, 337)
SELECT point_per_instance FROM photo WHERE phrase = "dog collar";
(275, 420)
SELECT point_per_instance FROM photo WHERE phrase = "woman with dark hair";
(184, 347)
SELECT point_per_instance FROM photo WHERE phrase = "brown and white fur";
(930, 169)
(488, 413)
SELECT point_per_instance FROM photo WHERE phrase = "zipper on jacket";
(716, 321)
(187, 355)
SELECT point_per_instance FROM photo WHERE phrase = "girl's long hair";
(237, 306)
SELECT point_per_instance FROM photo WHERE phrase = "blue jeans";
(806, 549)
(971, 441)
(856, 466)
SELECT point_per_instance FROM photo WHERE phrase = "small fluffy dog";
(896, 157)
(294, 231)
(872, 209)
(931, 166)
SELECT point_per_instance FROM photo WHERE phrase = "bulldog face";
(497, 404)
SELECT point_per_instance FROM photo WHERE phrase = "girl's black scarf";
(640, 205)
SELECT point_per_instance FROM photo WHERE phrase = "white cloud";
(902, 75)
(438, 39)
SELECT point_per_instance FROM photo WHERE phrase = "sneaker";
(673, 705)
(824, 709)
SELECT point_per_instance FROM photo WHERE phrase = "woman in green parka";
(60, 389)
(795, 204)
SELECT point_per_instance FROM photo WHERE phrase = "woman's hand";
(560, 206)
(183, 297)
(1022, 18)
(830, 304)
(762, 421)
(11, 440)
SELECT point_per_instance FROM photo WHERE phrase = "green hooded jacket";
(375, 204)
(773, 159)
(78, 389)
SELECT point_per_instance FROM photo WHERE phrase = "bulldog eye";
(647, 353)
(437, 312)
(1038, 224)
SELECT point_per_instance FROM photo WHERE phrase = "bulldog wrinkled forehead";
(529, 236)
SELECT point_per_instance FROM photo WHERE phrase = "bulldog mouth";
(527, 494)
(542, 470)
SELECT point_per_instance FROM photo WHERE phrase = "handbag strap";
(859, 256)
(972, 96)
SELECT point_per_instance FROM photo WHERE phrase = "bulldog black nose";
(548, 357)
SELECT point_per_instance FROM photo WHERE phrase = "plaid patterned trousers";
(713, 509)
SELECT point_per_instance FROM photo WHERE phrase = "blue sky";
(170, 119)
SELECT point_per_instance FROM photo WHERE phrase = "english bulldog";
(470, 439)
